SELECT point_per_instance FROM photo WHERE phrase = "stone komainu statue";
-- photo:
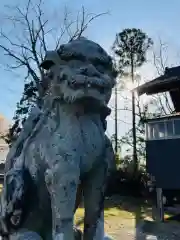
(60, 146)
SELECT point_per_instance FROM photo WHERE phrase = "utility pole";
(115, 119)
(135, 160)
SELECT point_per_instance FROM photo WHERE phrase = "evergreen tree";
(130, 47)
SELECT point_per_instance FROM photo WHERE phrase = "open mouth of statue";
(89, 102)
(87, 85)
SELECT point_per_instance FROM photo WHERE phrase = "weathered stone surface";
(62, 144)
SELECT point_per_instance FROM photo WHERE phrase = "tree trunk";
(135, 160)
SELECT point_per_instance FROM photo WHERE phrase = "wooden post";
(160, 204)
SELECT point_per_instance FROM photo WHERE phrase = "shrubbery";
(122, 183)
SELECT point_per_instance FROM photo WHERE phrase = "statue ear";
(47, 64)
(50, 59)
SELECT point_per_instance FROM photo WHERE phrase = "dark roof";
(169, 82)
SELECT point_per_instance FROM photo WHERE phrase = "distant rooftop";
(4, 148)
(3, 152)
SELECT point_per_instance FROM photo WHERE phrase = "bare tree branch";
(82, 22)
(26, 44)
(29, 51)
(160, 61)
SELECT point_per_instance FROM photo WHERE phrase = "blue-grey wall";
(163, 162)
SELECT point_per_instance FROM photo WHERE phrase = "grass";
(120, 213)
(108, 213)
(117, 213)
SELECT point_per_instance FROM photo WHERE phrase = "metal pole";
(160, 204)
(134, 122)
(116, 133)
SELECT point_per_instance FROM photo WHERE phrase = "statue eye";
(68, 56)
(100, 62)
(100, 68)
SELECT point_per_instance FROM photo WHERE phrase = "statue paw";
(77, 233)
(3, 228)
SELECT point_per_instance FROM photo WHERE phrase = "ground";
(128, 219)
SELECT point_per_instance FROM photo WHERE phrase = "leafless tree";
(160, 61)
(25, 44)
(27, 48)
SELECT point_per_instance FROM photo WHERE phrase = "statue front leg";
(100, 227)
(94, 190)
(62, 179)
